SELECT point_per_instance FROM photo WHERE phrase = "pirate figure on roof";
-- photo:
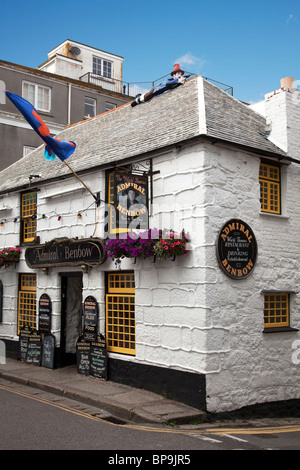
(176, 80)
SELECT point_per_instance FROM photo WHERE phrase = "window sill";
(280, 329)
(278, 216)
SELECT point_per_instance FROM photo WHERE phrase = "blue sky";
(248, 44)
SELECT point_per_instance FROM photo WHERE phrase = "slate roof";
(127, 132)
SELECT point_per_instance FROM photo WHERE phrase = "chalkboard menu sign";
(83, 356)
(90, 318)
(45, 310)
(23, 342)
(34, 349)
(48, 351)
(92, 357)
(98, 359)
(236, 249)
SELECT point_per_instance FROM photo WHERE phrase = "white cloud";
(194, 63)
(291, 17)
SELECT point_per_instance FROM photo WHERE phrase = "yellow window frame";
(120, 313)
(27, 301)
(276, 310)
(269, 179)
(29, 216)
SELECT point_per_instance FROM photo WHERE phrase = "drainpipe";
(69, 104)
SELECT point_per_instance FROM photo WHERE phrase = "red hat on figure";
(177, 69)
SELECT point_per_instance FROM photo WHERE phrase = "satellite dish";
(75, 50)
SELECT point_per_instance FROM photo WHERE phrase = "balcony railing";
(133, 88)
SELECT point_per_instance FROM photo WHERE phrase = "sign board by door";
(48, 351)
(83, 356)
(45, 310)
(34, 349)
(98, 359)
(25, 332)
(90, 318)
(92, 357)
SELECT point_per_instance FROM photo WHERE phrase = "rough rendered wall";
(250, 366)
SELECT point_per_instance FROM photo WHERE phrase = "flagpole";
(88, 189)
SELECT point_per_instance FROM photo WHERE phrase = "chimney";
(287, 82)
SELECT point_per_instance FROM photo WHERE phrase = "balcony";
(133, 88)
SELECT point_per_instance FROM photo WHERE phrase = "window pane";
(120, 313)
(96, 66)
(29, 93)
(276, 310)
(43, 98)
(90, 107)
(269, 179)
(106, 69)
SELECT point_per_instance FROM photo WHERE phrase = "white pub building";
(212, 321)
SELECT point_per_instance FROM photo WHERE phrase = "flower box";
(9, 256)
(152, 243)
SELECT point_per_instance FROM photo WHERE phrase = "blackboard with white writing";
(48, 351)
(90, 318)
(98, 359)
(45, 310)
(23, 342)
(83, 356)
(34, 350)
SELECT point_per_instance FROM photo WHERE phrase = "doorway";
(71, 316)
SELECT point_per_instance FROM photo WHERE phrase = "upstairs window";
(39, 96)
(28, 215)
(102, 67)
(269, 179)
(276, 310)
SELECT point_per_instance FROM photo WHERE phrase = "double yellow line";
(204, 431)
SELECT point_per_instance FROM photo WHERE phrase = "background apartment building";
(76, 82)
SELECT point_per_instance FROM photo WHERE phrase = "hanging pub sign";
(236, 249)
(66, 252)
(131, 200)
(90, 318)
(45, 310)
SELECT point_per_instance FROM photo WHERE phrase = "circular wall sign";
(236, 249)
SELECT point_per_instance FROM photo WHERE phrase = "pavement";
(119, 401)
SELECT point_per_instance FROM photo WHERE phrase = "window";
(39, 96)
(28, 215)
(269, 179)
(120, 313)
(89, 107)
(27, 301)
(276, 310)
(102, 67)
(27, 150)
(109, 106)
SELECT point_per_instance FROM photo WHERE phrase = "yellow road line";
(212, 431)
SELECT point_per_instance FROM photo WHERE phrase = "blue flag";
(54, 147)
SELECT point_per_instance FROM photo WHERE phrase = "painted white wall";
(190, 316)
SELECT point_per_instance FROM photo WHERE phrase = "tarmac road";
(35, 419)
